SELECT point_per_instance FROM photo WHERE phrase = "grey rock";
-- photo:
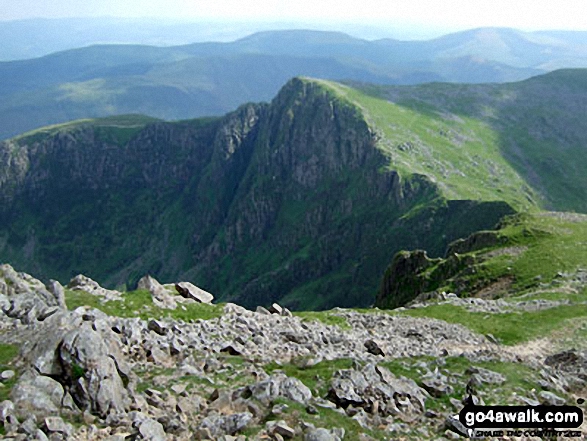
(6, 409)
(37, 395)
(550, 399)
(232, 308)
(14, 284)
(492, 339)
(361, 389)
(162, 296)
(320, 435)
(90, 366)
(437, 384)
(233, 349)
(40, 436)
(342, 393)
(42, 353)
(280, 385)
(281, 428)
(159, 356)
(179, 388)
(29, 426)
(338, 432)
(157, 326)
(83, 283)
(190, 291)
(454, 425)
(486, 376)
(152, 430)
(373, 347)
(56, 424)
(218, 425)
(275, 309)
(7, 375)
(262, 310)
(56, 288)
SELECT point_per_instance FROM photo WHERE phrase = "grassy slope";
(459, 154)
(532, 252)
(118, 129)
(532, 129)
(542, 257)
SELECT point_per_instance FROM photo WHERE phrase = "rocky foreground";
(266, 374)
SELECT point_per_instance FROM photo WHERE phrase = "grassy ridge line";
(120, 123)
(540, 256)
(461, 155)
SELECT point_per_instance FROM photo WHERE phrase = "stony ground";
(81, 374)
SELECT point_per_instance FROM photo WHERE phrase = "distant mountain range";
(212, 78)
(304, 200)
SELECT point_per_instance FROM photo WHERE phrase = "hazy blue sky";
(453, 14)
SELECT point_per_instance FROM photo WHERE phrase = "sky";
(441, 14)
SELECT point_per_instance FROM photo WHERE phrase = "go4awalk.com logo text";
(540, 421)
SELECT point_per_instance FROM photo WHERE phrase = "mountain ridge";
(205, 79)
(312, 193)
(277, 189)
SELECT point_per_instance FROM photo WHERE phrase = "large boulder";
(280, 385)
(83, 283)
(92, 372)
(162, 296)
(190, 291)
(37, 395)
(80, 351)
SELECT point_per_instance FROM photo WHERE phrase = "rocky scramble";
(266, 374)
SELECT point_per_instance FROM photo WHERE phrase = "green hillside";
(460, 154)
(537, 256)
(532, 128)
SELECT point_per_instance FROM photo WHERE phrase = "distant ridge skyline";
(37, 37)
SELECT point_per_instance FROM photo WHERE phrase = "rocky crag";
(526, 255)
(273, 202)
(82, 374)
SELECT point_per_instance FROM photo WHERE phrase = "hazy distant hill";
(212, 78)
(22, 39)
(304, 200)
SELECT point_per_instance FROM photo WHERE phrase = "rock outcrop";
(168, 379)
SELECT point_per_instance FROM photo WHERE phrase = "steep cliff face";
(291, 201)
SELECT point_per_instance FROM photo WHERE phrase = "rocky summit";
(180, 367)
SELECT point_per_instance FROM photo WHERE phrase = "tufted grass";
(140, 304)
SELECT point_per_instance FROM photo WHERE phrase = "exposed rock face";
(26, 298)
